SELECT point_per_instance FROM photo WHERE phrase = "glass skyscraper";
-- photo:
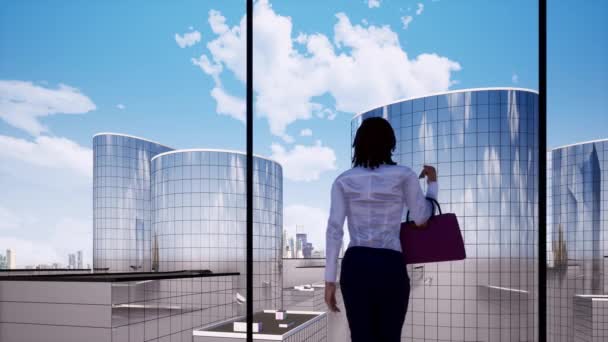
(577, 242)
(121, 201)
(160, 209)
(483, 143)
(199, 217)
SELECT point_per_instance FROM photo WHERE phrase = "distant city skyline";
(73, 261)
(3, 261)
(300, 248)
(11, 259)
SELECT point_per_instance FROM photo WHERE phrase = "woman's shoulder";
(401, 170)
(347, 173)
(350, 174)
(393, 170)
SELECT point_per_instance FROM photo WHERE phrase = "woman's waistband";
(373, 251)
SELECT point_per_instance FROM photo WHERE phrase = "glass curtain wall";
(576, 279)
(161, 209)
(199, 218)
(122, 227)
(577, 133)
(458, 97)
(484, 146)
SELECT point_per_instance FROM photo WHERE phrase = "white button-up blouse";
(374, 202)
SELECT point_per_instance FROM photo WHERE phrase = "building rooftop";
(45, 270)
(270, 326)
(445, 93)
(579, 143)
(116, 277)
(187, 150)
(132, 137)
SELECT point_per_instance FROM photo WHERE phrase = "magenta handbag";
(439, 240)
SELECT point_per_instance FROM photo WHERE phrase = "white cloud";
(121, 106)
(306, 132)
(302, 38)
(9, 221)
(420, 9)
(229, 105)
(23, 103)
(226, 104)
(188, 39)
(373, 3)
(217, 22)
(304, 163)
(49, 152)
(515, 78)
(359, 67)
(406, 20)
(228, 48)
(208, 67)
(379, 70)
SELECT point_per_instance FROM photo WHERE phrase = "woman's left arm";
(335, 232)
(333, 243)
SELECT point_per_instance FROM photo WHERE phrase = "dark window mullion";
(249, 125)
(542, 171)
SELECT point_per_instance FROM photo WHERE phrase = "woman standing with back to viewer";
(372, 194)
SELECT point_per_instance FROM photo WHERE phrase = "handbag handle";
(433, 203)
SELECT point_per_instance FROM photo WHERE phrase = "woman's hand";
(330, 296)
(430, 173)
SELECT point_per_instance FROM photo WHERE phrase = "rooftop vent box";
(280, 315)
(242, 327)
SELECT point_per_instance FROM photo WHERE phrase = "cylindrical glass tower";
(199, 221)
(121, 201)
(578, 247)
(483, 143)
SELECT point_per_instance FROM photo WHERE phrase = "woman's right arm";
(420, 208)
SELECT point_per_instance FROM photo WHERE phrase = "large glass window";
(146, 175)
(576, 173)
(456, 99)
(123, 150)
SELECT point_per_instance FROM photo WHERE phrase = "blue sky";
(124, 70)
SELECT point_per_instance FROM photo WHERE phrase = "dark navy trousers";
(376, 288)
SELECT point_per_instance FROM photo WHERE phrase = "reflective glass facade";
(199, 221)
(121, 201)
(578, 244)
(483, 143)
